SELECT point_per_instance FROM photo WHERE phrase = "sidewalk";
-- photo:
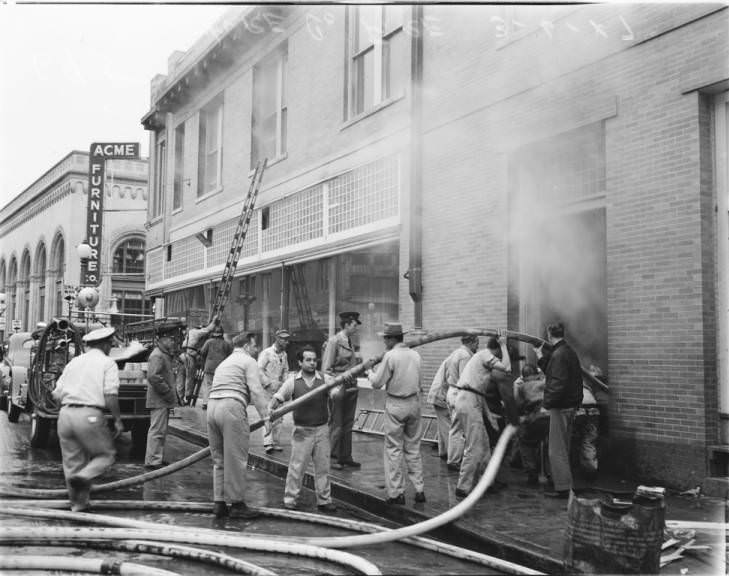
(518, 523)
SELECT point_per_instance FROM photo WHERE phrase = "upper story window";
(179, 167)
(375, 56)
(210, 148)
(129, 257)
(268, 124)
(160, 179)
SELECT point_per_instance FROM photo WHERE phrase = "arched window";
(25, 283)
(127, 286)
(129, 257)
(40, 271)
(11, 292)
(58, 265)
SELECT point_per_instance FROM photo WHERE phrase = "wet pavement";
(518, 523)
(22, 465)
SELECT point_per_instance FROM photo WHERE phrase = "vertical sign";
(99, 153)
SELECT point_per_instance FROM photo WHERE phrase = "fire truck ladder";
(223, 293)
(301, 295)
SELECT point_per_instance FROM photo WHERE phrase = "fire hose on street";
(306, 545)
(19, 491)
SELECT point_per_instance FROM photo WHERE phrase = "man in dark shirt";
(562, 397)
(214, 351)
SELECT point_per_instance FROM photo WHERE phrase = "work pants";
(309, 443)
(532, 432)
(476, 451)
(228, 434)
(456, 436)
(205, 388)
(403, 432)
(443, 420)
(273, 439)
(156, 436)
(560, 432)
(341, 420)
(87, 449)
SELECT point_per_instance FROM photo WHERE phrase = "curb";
(509, 549)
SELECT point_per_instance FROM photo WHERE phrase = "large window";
(179, 167)
(129, 257)
(210, 148)
(376, 56)
(160, 180)
(268, 132)
(40, 270)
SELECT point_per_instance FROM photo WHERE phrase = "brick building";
(42, 226)
(520, 164)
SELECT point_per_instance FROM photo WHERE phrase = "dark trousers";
(531, 433)
(343, 411)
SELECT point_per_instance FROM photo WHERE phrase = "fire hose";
(167, 533)
(144, 547)
(13, 491)
(92, 565)
(384, 536)
(323, 519)
(221, 538)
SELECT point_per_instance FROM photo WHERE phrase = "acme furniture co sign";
(99, 153)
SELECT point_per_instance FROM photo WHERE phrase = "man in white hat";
(273, 364)
(399, 374)
(89, 383)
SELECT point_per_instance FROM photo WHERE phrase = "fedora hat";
(392, 329)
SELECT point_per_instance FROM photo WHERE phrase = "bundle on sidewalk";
(612, 536)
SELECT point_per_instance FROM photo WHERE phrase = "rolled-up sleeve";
(382, 375)
(286, 391)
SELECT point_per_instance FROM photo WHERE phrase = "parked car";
(17, 363)
(4, 380)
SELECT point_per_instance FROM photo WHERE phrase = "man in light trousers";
(399, 374)
(89, 383)
(235, 384)
(273, 364)
(471, 414)
(454, 365)
(310, 438)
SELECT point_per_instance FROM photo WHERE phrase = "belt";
(402, 397)
(472, 390)
(82, 406)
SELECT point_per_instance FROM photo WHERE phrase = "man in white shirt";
(274, 366)
(310, 438)
(235, 384)
(89, 383)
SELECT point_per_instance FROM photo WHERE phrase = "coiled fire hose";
(166, 533)
(144, 547)
(92, 565)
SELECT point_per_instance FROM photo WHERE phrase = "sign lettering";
(99, 152)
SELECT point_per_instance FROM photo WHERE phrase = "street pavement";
(518, 523)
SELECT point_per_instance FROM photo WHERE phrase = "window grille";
(364, 195)
(223, 238)
(295, 219)
(154, 266)
(187, 256)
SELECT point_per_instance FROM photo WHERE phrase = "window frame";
(179, 175)
(381, 90)
(213, 107)
(279, 58)
(156, 205)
